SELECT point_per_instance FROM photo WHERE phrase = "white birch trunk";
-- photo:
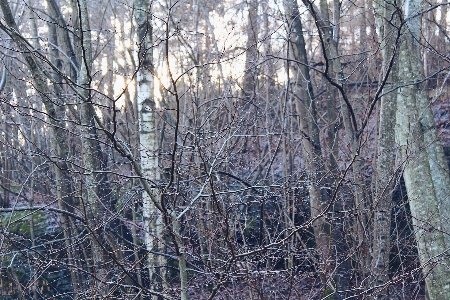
(153, 220)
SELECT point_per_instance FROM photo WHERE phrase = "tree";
(153, 219)
(387, 18)
(427, 194)
(305, 106)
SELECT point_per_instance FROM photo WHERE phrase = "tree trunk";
(62, 35)
(146, 104)
(54, 58)
(423, 190)
(92, 158)
(334, 76)
(385, 170)
(308, 128)
(251, 75)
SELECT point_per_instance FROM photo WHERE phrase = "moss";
(328, 292)
(19, 222)
(249, 224)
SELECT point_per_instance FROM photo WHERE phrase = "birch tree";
(147, 105)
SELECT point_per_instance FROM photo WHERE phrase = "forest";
(224, 149)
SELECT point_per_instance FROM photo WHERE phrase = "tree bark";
(251, 75)
(95, 183)
(329, 39)
(385, 162)
(62, 33)
(306, 110)
(153, 218)
(423, 190)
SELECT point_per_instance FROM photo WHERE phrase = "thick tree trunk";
(421, 193)
(59, 174)
(436, 157)
(423, 185)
